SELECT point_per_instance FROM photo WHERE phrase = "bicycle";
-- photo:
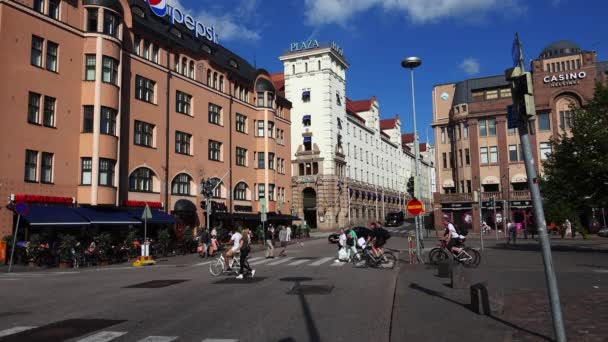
(467, 256)
(386, 260)
(219, 266)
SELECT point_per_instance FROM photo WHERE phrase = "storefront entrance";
(309, 199)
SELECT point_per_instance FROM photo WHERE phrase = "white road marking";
(254, 259)
(321, 261)
(158, 339)
(14, 330)
(299, 262)
(280, 261)
(204, 263)
(338, 264)
(219, 340)
(103, 336)
(259, 262)
(600, 271)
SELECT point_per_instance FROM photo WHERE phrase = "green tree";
(575, 176)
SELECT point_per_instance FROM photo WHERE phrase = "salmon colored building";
(107, 105)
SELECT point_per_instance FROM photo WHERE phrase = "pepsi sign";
(177, 16)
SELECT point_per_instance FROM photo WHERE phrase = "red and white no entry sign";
(415, 207)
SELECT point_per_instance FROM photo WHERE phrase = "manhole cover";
(233, 280)
(62, 330)
(311, 290)
(156, 284)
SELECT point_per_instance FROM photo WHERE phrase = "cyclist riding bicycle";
(236, 246)
(377, 239)
(451, 236)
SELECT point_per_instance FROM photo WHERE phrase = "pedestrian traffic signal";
(522, 91)
(411, 186)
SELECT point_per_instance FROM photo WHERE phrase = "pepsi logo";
(159, 7)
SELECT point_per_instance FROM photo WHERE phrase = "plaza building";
(109, 105)
(349, 166)
(475, 148)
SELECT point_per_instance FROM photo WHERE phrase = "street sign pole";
(10, 264)
(479, 201)
(523, 101)
(146, 214)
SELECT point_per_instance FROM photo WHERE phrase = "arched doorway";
(309, 199)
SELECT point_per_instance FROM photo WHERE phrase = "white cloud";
(319, 12)
(230, 25)
(470, 66)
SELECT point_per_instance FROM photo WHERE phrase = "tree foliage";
(576, 174)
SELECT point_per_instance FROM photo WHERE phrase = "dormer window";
(233, 64)
(306, 95)
(306, 120)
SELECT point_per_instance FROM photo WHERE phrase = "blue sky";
(457, 39)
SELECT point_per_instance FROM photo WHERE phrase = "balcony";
(486, 196)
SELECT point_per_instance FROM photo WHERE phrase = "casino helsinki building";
(475, 148)
(109, 105)
(348, 165)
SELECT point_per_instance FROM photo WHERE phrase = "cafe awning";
(107, 216)
(54, 216)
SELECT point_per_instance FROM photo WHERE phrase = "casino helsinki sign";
(177, 16)
(563, 80)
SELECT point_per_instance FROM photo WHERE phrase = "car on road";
(360, 231)
(394, 219)
(603, 232)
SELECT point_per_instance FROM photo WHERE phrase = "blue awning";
(158, 216)
(54, 216)
(106, 216)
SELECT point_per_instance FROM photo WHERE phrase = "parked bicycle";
(365, 258)
(467, 256)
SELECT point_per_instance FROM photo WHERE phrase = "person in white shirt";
(283, 240)
(342, 245)
(451, 235)
(236, 245)
(288, 230)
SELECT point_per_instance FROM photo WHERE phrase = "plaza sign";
(312, 44)
(177, 16)
(563, 80)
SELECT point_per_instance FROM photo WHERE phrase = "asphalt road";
(335, 301)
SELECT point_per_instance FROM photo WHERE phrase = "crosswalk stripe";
(14, 330)
(338, 264)
(299, 262)
(254, 259)
(103, 336)
(259, 262)
(321, 261)
(281, 261)
(219, 340)
(204, 263)
(159, 339)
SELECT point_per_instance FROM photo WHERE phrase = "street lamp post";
(411, 63)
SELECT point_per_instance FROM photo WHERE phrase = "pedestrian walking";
(288, 230)
(269, 243)
(342, 253)
(283, 240)
(512, 231)
(569, 228)
(351, 241)
(245, 248)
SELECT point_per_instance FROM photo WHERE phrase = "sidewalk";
(426, 308)
(169, 260)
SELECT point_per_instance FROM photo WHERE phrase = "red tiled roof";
(278, 79)
(388, 124)
(407, 138)
(360, 106)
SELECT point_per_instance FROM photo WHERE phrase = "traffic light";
(522, 91)
(411, 186)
